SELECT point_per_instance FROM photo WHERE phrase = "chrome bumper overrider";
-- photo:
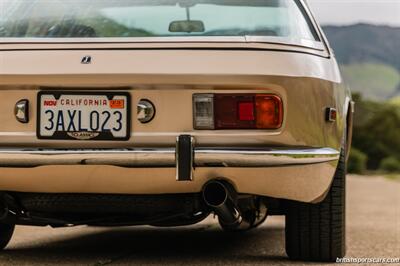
(166, 157)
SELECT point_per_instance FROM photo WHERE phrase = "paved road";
(373, 231)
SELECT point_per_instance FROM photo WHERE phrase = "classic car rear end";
(110, 116)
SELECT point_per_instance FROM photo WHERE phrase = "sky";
(344, 12)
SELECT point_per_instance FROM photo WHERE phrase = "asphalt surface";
(373, 228)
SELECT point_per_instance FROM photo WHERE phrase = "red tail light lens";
(246, 111)
(233, 111)
(238, 111)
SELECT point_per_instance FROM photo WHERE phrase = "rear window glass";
(153, 18)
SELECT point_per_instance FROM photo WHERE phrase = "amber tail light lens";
(237, 111)
(269, 111)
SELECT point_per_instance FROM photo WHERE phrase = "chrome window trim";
(200, 39)
(286, 41)
(316, 26)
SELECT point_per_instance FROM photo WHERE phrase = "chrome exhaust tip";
(215, 194)
(221, 197)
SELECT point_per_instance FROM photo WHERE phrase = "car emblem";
(86, 60)
(83, 135)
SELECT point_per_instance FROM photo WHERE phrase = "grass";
(395, 101)
(374, 81)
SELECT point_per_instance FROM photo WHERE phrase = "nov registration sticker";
(83, 115)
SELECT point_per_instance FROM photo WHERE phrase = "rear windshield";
(153, 18)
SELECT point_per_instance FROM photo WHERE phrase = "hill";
(395, 101)
(364, 43)
(373, 80)
(369, 58)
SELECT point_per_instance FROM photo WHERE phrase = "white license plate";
(83, 115)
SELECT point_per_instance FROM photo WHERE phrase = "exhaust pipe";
(221, 198)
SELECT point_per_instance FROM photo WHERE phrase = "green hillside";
(395, 101)
(374, 81)
(369, 57)
(364, 43)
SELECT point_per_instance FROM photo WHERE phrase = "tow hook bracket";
(184, 155)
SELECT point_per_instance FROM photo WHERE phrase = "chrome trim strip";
(264, 158)
(165, 157)
(187, 39)
(177, 159)
(192, 154)
(316, 26)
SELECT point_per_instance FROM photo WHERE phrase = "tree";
(377, 131)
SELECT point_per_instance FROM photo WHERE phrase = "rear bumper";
(296, 174)
(166, 157)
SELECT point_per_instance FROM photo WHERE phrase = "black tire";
(6, 232)
(316, 232)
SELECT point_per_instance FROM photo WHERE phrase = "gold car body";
(296, 161)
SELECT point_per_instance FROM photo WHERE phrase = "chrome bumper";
(166, 157)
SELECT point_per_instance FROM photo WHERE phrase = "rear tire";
(316, 232)
(6, 232)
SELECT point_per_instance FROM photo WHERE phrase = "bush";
(357, 162)
(390, 164)
(376, 131)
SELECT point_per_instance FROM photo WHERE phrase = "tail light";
(237, 111)
(203, 107)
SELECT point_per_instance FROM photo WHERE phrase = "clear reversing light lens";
(203, 105)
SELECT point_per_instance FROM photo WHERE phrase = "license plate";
(83, 115)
